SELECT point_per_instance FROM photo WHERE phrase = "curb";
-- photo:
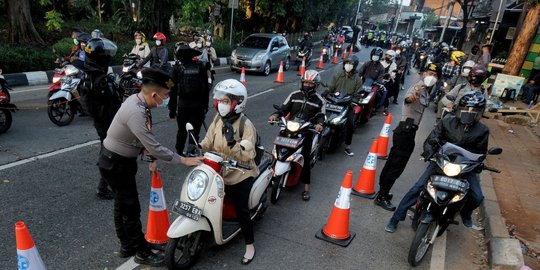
(504, 252)
(45, 77)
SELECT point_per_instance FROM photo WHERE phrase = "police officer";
(189, 102)
(131, 133)
(416, 100)
(99, 96)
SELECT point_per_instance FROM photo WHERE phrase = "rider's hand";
(272, 118)
(318, 127)
(450, 106)
(191, 161)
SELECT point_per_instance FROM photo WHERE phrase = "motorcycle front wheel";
(277, 183)
(421, 243)
(5, 120)
(183, 252)
(61, 112)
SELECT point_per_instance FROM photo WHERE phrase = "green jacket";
(350, 84)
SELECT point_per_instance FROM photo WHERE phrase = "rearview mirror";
(277, 107)
(495, 151)
(274, 49)
(189, 127)
(246, 145)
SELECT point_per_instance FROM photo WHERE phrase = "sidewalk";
(517, 187)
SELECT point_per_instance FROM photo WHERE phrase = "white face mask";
(348, 67)
(375, 58)
(199, 45)
(158, 42)
(208, 44)
(138, 41)
(223, 109)
(430, 81)
(465, 72)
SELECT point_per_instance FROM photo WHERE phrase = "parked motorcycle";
(337, 108)
(287, 152)
(363, 108)
(129, 82)
(205, 212)
(443, 196)
(6, 107)
(300, 55)
(63, 103)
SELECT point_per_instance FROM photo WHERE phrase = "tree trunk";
(21, 27)
(521, 46)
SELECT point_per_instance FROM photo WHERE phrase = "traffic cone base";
(158, 218)
(364, 195)
(365, 185)
(344, 242)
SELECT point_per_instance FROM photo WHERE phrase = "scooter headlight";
(458, 197)
(125, 69)
(336, 120)
(197, 182)
(445, 84)
(422, 57)
(56, 79)
(451, 169)
(293, 126)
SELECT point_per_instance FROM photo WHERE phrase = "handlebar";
(492, 169)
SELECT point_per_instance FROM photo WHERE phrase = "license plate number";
(450, 183)
(287, 142)
(187, 209)
(334, 107)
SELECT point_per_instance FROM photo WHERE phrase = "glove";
(228, 132)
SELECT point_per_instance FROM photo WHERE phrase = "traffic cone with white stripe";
(279, 77)
(243, 77)
(320, 65)
(351, 51)
(302, 68)
(382, 149)
(344, 54)
(27, 255)
(336, 230)
(365, 185)
(335, 60)
(158, 219)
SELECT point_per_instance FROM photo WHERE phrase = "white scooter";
(205, 211)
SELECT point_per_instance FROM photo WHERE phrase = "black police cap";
(158, 77)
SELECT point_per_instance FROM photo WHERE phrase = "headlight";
(445, 84)
(197, 182)
(55, 79)
(125, 69)
(431, 190)
(451, 169)
(290, 158)
(422, 57)
(336, 120)
(458, 197)
(293, 126)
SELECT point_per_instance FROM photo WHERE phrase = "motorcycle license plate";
(187, 209)
(334, 107)
(448, 183)
(287, 142)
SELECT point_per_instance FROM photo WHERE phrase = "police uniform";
(131, 132)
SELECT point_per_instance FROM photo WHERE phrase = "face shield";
(469, 115)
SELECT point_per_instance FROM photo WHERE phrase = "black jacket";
(297, 105)
(373, 70)
(191, 89)
(449, 129)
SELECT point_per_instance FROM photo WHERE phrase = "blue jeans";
(474, 195)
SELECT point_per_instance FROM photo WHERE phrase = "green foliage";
(21, 59)
(222, 47)
(429, 19)
(54, 20)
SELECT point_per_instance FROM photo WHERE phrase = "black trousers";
(239, 193)
(305, 175)
(102, 122)
(120, 173)
(349, 126)
(401, 151)
(188, 115)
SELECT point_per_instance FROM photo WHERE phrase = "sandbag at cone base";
(336, 230)
(365, 185)
(382, 148)
(279, 77)
(27, 255)
(158, 218)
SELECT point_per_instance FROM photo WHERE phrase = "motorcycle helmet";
(310, 76)
(235, 91)
(471, 107)
(389, 55)
(162, 37)
(467, 66)
(477, 75)
(376, 52)
(352, 59)
(141, 34)
(83, 37)
(458, 57)
(96, 33)
(100, 51)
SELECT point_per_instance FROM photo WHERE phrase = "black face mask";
(388, 59)
(307, 89)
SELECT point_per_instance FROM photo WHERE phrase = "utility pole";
(496, 21)
(357, 11)
(398, 15)
(448, 15)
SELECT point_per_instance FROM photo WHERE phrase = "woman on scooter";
(230, 97)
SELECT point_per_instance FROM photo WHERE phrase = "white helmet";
(467, 66)
(391, 53)
(235, 91)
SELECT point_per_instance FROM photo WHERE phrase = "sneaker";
(384, 202)
(149, 258)
(395, 101)
(105, 195)
(306, 196)
(467, 222)
(391, 227)
(349, 152)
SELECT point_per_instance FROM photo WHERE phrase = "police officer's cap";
(157, 77)
(435, 68)
(183, 51)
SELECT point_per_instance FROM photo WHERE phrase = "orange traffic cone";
(27, 254)
(351, 51)
(335, 60)
(279, 78)
(243, 77)
(302, 69)
(320, 65)
(382, 150)
(365, 185)
(344, 54)
(158, 219)
(336, 230)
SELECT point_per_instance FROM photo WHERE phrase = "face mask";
(208, 44)
(375, 58)
(465, 72)
(138, 41)
(388, 59)
(430, 81)
(75, 41)
(223, 109)
(165, 102)
(199, 45)
(158, 42)
(306, 89)
(348, 67)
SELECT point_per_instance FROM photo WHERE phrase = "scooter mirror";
(189, 127)
(277, 107)
(246, 145)
(495, 151)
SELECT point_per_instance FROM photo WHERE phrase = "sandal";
(305, 196)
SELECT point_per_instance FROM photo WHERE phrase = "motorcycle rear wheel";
(277, 183)
(180, 252)
(61, 112)
(421, 243)
(5, 120)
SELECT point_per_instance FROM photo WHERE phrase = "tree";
(523, 42)
(21, 28)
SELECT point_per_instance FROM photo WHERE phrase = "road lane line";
(40, 88)
(50, 154)
(438, 253)
(128, 265)
(261, 93)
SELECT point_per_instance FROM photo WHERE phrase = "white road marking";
(438, 253)
(128, 265)
(40, 88)
(261, 93)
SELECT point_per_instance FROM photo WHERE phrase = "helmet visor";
(469, 115)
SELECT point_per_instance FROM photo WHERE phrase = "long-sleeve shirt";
(373, 70)
(346, 83)
(458, 92)
(142, 50)
(415, 110)
(158, 57)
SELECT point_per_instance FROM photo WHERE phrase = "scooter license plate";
(334, 107)
(187, 209)
(287, 142)
(453, 184)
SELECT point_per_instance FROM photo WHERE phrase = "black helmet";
(376, 51)
(83, 37)
(353, 59)
(477, 75)
(100, 51)
(471, 107)
(184, 53)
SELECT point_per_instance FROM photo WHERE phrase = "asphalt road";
(54, 193)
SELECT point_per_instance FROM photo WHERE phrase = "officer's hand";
(152, 166)
(450, 106)
(413, 98)
(192, 161)
(318, 127)
(272, 118)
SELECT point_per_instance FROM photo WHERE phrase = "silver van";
(261, 53)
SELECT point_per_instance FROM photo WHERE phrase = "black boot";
(383, 201)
